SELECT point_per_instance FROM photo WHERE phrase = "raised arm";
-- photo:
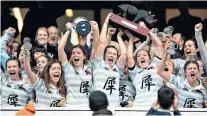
(95, 34)
(130, 58)
(141, 46)
(158, 44)
(110, 33)
(201, 46)
(4, 56)
(103, 39)
(31, 75)
(161, 68)
(122, 46)
(61, 52)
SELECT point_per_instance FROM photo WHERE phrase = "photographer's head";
(165, 97)
(98, 100)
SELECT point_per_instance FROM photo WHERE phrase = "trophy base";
(119, 22)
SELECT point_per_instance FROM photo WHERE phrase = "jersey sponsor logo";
(55, 103)
(13, 100)
(84, 87)
(189, 103)
(147, 82)
(185, 88)
(109, 84)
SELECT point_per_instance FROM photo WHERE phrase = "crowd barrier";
(75, 111)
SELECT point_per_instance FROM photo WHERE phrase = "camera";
(123, 103)
(174, 46)
(82, 26)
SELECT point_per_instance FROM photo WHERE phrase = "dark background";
(38, 14)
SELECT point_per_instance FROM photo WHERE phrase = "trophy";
(27, 44)
(129, 17)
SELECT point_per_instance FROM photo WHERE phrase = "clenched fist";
(198, 27)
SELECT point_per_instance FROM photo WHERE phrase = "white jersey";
(179, 67)
(106, 79)
(78, 84)
(44, 97)
(147, 82)
(189, 97)
(14, 93)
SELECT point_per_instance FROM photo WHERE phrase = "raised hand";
(109, 16)
(69, 25)
(198, 27)
(120, 33)
(111, 31)
(11, 30)
(94, 25)
(129, 34)
(62, 102)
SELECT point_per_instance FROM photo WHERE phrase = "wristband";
(9, 33)
(25, 55)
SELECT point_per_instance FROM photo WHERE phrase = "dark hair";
(46, 56)
(46, 78)
(165, 97)
(194, 41)
(190, 62)
(110, 46)
(84, 52)
(38, 48)
(18, 62)
(98, 100)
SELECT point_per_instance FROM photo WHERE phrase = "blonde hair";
(41, 28)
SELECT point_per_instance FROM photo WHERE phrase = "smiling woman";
(13, 91)
(49, 86)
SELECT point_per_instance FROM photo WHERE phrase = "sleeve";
(4, 55)
(66, 67)
(133, 72)
(155, 62)
(98, 61)
(176, 80)
(177, 63)
(30, 88)
(38, 83)
(201, 48)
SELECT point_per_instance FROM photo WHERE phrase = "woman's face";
(77, 57)
(13, 69)
(41, 63)
(143, 59)
(55, 73)
(111, 56)
(192, 72)
(42, 37)
(189, 48)
(169, 66)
